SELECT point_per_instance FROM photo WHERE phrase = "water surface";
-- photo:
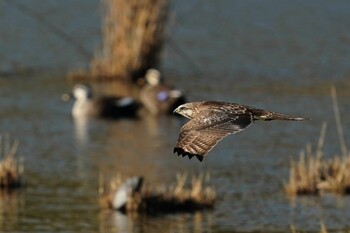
(277, 55)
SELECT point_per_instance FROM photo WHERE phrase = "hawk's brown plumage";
(211, 121)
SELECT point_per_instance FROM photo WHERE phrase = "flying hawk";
(211, 121)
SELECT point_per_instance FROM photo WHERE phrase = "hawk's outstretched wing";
(199, 135)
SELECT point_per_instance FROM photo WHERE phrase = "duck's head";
(153, 77)
(82, 92)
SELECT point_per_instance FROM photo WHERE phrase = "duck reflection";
(114, 221)
(87, 107)
(81, 126)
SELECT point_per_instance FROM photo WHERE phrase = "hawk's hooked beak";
(180, 112)
(176, 111)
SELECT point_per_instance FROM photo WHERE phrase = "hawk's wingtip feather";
(183, 153)
(200, 158)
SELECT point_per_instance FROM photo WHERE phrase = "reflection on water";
(308, 212)
(81, 126)
(113, 221)
(11, 203)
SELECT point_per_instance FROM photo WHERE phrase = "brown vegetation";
(11, 168)
(313, 174)
(133, 35)
(165, 199)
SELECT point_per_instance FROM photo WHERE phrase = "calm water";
(276, 55)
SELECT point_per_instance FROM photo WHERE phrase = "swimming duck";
(126, 191)
(158, 98)
(105, 106)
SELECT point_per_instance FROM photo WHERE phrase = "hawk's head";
(188, 110)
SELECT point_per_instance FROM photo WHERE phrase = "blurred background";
(277, 55)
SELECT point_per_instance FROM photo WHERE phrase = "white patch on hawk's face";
(185, 110)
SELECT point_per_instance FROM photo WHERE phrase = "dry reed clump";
(180, 198)
(167, 199)
(11, 168)
(313, 174)
(133, 35)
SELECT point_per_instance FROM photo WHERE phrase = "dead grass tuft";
(11, 168)
(312, 174)
(180, 197)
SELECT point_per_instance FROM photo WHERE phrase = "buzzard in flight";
(211, 121)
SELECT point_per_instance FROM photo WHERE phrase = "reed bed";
(11, 168)
(166, 199)
(313, 174)
(133, 36)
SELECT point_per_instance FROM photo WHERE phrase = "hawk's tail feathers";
(179, 151)
(269, 116)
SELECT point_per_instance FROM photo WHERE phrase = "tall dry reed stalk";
(133, 35)
(11, 168)
(313, 174)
